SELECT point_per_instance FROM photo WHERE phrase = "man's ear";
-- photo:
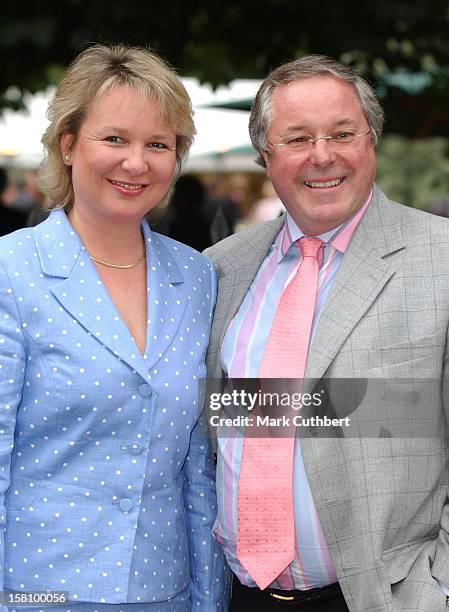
(266, 158)
(67, 141)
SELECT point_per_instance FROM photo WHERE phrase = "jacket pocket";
(399, 353)
(399, 560)
(21, 496)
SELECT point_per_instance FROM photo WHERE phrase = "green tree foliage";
(221, 41)
(413, 172)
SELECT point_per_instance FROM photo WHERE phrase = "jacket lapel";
(363, 273)
(238, 267)
(167, 296)
(81, 293)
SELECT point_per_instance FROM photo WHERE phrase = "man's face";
(317, 106)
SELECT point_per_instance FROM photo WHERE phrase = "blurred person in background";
(106, 473)
(268, 207)
(223, 208)
(10, 219)
(188, 218)
(28, 195)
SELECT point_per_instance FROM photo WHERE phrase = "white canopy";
(220, 132)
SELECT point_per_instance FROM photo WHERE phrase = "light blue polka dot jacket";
(106, 478)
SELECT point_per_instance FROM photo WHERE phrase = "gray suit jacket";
(382, 502)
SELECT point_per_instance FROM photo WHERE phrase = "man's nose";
(136, 161)
(322, 152)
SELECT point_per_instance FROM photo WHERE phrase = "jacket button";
(125, 505)
(145, 390)
(135, 448)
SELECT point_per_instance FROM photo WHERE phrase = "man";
(363, 523)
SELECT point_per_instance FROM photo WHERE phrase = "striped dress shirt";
(242, 353)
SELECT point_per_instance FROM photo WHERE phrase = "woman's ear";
(66, 148)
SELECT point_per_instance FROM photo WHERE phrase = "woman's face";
(123, 158)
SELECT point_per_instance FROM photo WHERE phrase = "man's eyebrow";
(296, 128)
(304, 128)
(346, 121)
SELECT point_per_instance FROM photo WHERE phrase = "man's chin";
(320, 221)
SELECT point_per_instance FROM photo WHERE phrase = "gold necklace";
(118, 266)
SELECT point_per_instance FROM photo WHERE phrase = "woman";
(106, 473)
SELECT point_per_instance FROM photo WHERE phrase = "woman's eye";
(158, 146)
(114, 139)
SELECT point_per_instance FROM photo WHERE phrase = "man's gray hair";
(305, 67)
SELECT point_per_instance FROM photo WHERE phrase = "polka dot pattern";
(105, 465)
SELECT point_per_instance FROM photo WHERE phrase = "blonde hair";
(94, 72)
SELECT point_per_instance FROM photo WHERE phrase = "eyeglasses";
(336, 139)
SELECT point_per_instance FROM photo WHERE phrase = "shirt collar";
(338, 237)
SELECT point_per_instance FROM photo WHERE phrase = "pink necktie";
(266, 530)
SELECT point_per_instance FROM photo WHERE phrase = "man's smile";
(325, 184)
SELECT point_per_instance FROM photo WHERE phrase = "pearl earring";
(66, 158)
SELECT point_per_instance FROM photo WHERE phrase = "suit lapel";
(81, 293)
(238, 267)
(167, 297)
(363, 273)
